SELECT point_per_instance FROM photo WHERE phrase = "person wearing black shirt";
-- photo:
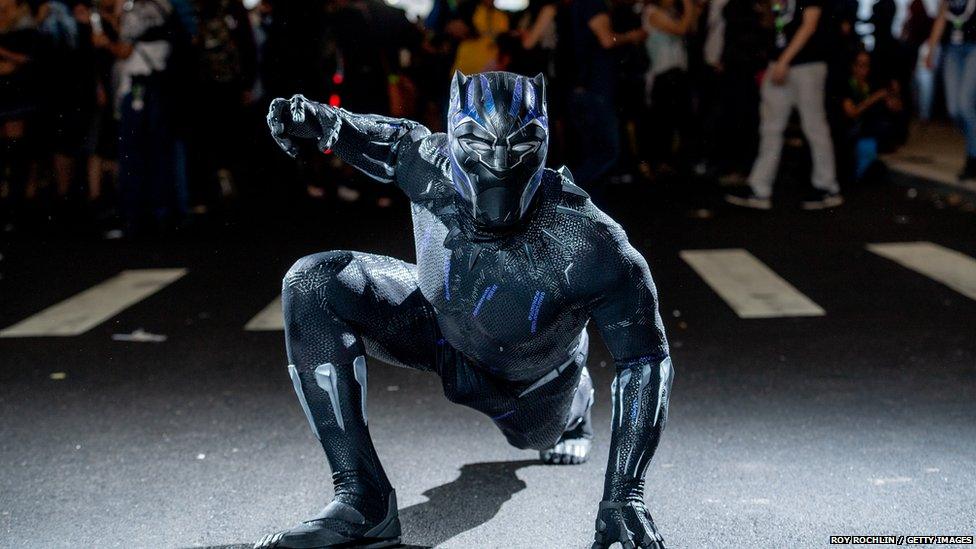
(796, 77)
(959, 70)
(587, 38)
(744, 54)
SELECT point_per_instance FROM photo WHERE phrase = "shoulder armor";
(569, 186)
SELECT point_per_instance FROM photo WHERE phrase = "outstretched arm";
(369, 142)
(627, 316)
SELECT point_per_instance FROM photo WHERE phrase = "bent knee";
(314, 272)
(534, 437)
(313, 282)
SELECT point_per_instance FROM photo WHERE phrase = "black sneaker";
(968, 173)
(821, 200)
(746, 198)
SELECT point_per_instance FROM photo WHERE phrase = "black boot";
(339, 525)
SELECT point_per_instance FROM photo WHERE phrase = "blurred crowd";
(136, 115)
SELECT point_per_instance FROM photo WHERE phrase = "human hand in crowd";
(10, 60)
(930, 58)
(778, 73)
(893, 97)
(101, 95)
(299, 118)
(99, 40)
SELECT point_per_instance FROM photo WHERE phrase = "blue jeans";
(959, 70)
(866, 153)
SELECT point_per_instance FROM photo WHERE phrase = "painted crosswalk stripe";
(954, 269)
(751, 288)
(269, 319)
(84, 311)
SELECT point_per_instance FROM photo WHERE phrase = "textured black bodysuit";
(500, 317)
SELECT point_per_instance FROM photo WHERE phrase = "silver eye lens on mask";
(476, 145)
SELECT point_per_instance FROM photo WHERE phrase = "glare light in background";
(511, 5)
(418, 9)
(251, 4)
(414, 9)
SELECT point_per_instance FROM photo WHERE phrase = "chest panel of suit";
(508, 304)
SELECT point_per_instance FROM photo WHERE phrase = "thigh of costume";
(358, 303)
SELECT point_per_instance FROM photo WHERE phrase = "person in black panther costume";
(513, 261)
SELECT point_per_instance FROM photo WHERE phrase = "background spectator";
(871, 115)
(148, 163)
(959, 70)
(587, 34)
(179, 89)
(667, 81)
(19, 47)
(796, 78)
(744, 55)
(226, 68)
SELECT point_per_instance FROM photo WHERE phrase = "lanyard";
(959, 20)
(784, 10)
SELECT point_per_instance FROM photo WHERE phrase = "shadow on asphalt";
(465, 503)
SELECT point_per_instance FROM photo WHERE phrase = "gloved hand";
(627, 523)
(299, 118)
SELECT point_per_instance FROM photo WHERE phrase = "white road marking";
(751, 288)
(82, 312)
(268, 320)
(890, 480)
(955, 270)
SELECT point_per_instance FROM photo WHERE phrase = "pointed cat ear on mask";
(458, 83)
(539, 82)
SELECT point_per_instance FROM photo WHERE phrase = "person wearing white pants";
(796, 78)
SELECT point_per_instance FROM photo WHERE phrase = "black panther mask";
(498, 136)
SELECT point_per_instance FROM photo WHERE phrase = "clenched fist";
(299, 118)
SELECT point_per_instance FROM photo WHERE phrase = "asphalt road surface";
(823, 387)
